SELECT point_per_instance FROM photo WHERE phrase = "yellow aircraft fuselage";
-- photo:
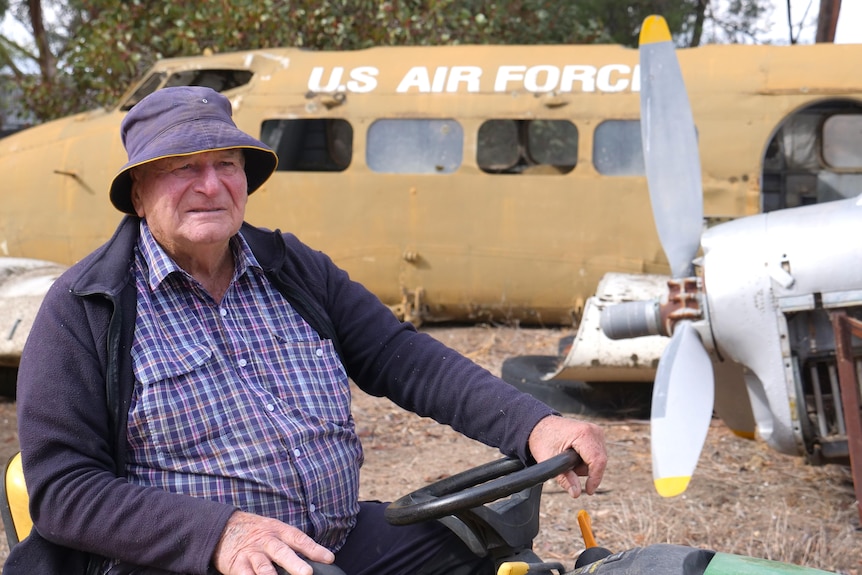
(461, 183)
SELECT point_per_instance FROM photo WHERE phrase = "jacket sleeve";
(386, 357)
(76, 498)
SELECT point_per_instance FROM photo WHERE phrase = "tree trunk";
(827, 20)
(700, 16)
(47, 63)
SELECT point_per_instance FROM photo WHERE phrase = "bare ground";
(744, 498)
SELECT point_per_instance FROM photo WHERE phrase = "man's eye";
(185, 170)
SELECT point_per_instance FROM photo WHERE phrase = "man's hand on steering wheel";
(554, 434)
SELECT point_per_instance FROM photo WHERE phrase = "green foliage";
(112, 42)
(622, 20)
(737, 22)
(100, 46)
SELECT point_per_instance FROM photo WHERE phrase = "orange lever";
(586, 529)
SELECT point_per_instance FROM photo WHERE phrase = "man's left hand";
(555, 434)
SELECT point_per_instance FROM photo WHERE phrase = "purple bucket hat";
(182, 121)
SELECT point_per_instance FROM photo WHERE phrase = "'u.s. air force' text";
(446, 79)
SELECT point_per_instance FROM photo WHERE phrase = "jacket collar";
(267, 246)
(108, 269)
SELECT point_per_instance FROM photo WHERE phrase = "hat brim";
(260, 163)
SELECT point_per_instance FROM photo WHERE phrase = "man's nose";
(208, 180)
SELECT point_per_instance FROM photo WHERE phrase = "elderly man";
(184, 404)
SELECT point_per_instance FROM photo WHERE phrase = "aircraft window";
(553, 142)
(498, 149)
(527, 147)
(617, 149)
(218, 80)
(316, 145)
(415, 146)
(842, 141)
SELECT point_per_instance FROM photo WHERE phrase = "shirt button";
(319, 353)
(270, 407)
(297, 452)
(222, 311)
(312, 508)
(243, 363)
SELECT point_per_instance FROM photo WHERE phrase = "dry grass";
(744, 499)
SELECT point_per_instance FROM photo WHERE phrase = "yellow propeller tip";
(744, 434)
(671, 486)
(653, 30)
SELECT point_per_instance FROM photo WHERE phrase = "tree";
(736, 21)
(96, 47)
(731, 21)
(33, 66)
(827, 21)
(91, 50)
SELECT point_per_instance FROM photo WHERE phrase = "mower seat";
(14, 502)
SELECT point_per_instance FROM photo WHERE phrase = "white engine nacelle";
(771, 281)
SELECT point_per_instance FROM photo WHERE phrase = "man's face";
(192, 202)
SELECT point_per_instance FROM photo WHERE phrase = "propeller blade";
(670, 148)
(682, 402)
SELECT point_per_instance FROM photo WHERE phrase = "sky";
(849, 21)
(849, 28)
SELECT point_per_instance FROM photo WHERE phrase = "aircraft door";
(815, 156)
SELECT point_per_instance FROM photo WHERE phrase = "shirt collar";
(160, 265)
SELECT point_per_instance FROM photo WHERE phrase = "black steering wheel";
(476, 487)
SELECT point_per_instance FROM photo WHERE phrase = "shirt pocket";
(181, 399)
(315, 381)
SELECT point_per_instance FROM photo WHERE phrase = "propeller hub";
(683, 303)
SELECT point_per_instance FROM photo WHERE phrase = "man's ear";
(135, 194)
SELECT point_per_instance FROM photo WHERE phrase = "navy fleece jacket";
(75, 382)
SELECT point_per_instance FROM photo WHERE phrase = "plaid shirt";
(239, 401)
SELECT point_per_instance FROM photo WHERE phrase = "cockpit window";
(527, 147)
(218, 80)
